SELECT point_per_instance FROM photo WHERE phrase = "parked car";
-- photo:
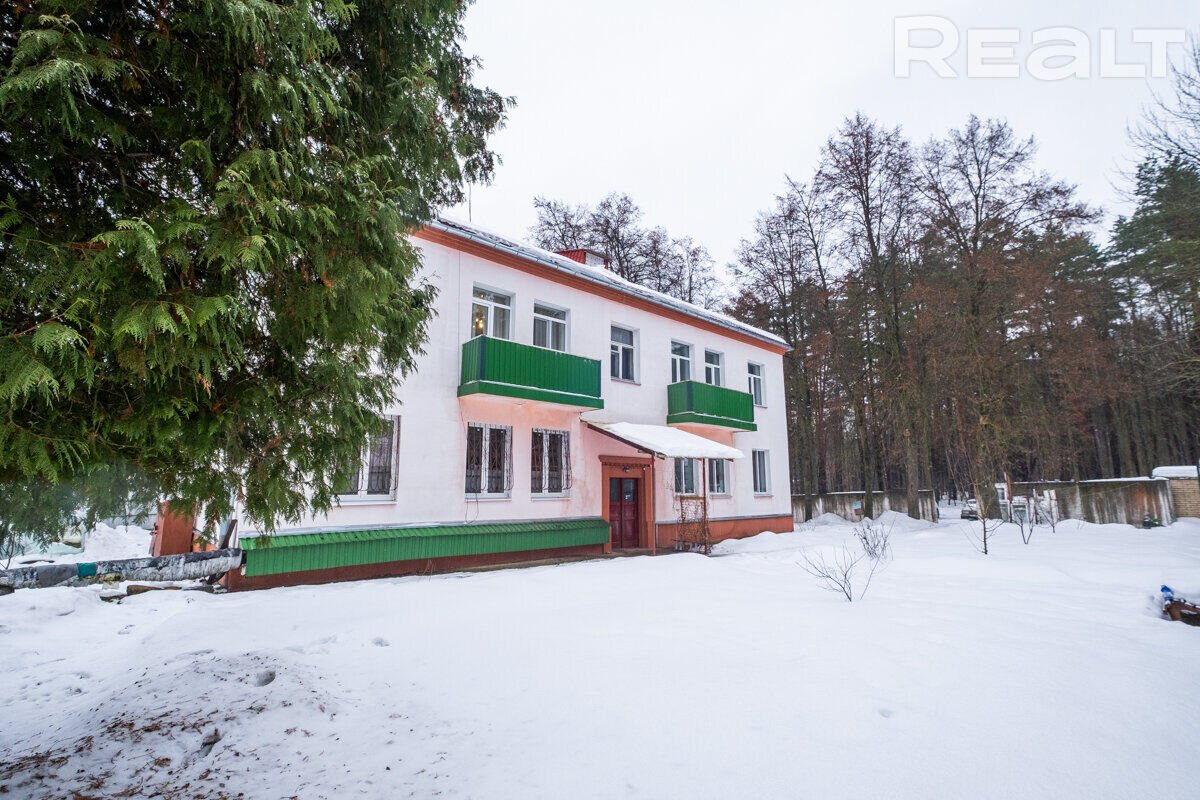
(970, 510)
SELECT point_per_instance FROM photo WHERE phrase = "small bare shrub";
(839, 572)
(875, 540)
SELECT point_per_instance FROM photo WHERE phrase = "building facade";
(557, 410)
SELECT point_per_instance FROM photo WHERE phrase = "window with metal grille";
(621, 353)
(489, 460)
(550, 463)
(374, 474)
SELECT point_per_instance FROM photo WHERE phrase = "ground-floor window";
(489, 460)
(685, 476)
(762, 484)
(550, 462)
(718, 476)
(374, 475)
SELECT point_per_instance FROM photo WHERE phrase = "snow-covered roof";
(667, 442)
(1182, 471)
(596, 274)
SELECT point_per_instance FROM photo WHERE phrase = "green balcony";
(508, 369)
(705, 404)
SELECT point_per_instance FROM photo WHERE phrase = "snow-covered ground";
(1041, 670)
(103, 543)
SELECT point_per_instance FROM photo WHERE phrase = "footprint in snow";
(379, 641)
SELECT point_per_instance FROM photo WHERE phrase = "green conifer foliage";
(203, 207)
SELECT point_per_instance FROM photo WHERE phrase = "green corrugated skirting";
(330, 549)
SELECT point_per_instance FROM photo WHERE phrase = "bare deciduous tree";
(677, 266)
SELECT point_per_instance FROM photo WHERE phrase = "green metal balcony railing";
(508, 369)
(705, 404)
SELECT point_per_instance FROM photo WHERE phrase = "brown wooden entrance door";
(623, 511)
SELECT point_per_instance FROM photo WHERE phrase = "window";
(549, 327)
(489, 460)
(375, 473)
(712, 367)
(550, 462)
(755, 372)
(761, 483)
(685, 476)
(681, 362)
(620, 363)
(490, 313)
(718, 476)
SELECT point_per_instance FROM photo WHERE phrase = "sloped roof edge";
(598, 275)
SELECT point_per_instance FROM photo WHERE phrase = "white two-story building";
(557, 410)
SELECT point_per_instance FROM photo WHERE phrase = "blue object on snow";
(1168, 595)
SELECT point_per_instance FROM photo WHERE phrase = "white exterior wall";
(433, 419)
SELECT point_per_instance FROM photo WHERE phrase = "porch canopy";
(666, 442)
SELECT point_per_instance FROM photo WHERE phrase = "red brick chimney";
(591, 258)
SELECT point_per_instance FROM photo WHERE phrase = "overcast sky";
(698, 109)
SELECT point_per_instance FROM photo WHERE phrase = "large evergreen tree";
(203, 206)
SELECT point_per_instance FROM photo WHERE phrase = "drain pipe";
(182, 567)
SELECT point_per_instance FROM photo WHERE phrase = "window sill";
(760, 405)
(763, 494)
(365, 499)
(539, 497)
(722, 496)
(485, 498)
(625, 380)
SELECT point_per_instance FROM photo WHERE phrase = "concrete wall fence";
(1128, 501)
(843, 504)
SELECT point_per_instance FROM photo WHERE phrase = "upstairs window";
(713, 367)
(685, 476)
(489, 460)
(550, 463)
(549, 327)
(490, 313)
(681, 362)
(374, 475)
(755, 373)
(760, 460)
(621, 352)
